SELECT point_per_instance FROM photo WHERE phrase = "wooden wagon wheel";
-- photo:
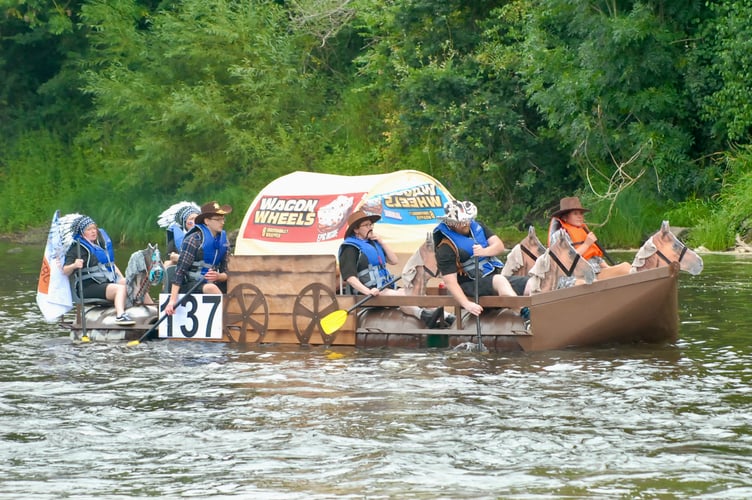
(313, 303)
(254, 313)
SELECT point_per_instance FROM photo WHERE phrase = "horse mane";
(515, 260)
(646, 251)
(410, 271)
(415, 268)
(138, 276)
(539, 270)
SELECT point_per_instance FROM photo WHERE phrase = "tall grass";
(732, 213)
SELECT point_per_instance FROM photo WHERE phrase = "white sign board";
(199, 318)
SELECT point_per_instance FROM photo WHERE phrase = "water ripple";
(179, 419)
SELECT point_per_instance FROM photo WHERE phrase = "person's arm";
(494, 248)
(187, 256)
(72, 261)
(446, 260)
(391, 256)
(348, 267)
(220, 273)
(590, 240)
(355, 283)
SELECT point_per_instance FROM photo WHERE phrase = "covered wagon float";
(284, 285)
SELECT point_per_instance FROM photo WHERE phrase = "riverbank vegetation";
(119, 109)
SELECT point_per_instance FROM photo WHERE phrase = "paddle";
(164, 316)
(84, 337)
(605, 254)
(603, 250)
(477, 318)
(334, 320)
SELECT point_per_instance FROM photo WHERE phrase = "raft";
(283, 279)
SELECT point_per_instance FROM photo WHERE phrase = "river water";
(178, 419)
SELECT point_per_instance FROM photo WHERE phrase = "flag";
(53, 290)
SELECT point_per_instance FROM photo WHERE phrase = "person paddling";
(571, 217)
(460, 241)
(203, 255)
(363, 259)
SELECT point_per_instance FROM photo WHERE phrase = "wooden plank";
(283, 264)
(286, 284)
(445, 301)
(446, 332)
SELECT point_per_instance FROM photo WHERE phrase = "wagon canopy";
(305, 213)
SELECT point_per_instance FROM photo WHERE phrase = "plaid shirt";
(191, 248)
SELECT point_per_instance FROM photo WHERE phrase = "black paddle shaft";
(369, 297)
(180, 303)
(603, 250)
(477, 298)
(81, 292)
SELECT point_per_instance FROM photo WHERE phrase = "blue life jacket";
(460, 242)
(376, 274)
(104, 270)
(178, 235)
(213, 246)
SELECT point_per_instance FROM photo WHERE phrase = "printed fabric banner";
(307, 213)
(53, 290)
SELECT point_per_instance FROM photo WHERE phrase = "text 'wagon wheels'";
(313, 303)
(245, 308)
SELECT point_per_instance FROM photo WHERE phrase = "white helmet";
(459, 211)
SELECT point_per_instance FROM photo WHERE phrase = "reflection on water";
(191, 419)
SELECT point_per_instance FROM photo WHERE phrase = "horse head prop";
(523, 255)
(663, 248)
(560, 266)
(145, 269)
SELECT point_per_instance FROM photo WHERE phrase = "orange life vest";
(578, 235)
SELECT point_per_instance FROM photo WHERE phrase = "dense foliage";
(119, 109)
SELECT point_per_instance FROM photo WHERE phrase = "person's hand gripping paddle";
(164, 316)
(334, 320)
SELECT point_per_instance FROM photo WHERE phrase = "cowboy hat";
(356, 218)
(210, 209)
(567, 205)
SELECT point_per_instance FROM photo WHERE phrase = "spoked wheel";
(313, 303)
(245, 308)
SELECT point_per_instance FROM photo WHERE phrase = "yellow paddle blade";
(85, 339)
(133, 342)
(333, 321)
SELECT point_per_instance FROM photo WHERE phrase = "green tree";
(607, 76)
(449, 111)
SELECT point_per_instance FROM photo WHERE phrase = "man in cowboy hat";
(363, 257)
(203, 255)
(458, 241)
(571, 216)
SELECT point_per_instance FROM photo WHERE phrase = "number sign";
(199, 318)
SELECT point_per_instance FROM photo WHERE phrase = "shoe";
(431, 319)
(449, 320)
(124, 320)
(525, 315)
